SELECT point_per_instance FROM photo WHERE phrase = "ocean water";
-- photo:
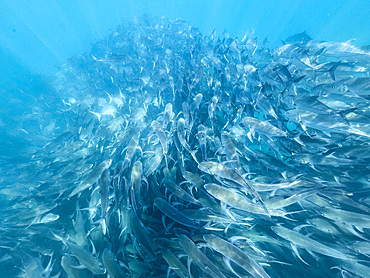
(184, 139)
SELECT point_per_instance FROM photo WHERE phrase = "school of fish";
(175, 154)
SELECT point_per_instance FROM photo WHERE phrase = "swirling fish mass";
(173, 154)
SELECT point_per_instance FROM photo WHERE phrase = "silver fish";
(91, 178)
(173, 213)
(220, 170)
(235, 254)
(199, 258)
(111, 265)
(87, 259)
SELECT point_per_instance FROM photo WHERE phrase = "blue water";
(41, 40)
(38, 36)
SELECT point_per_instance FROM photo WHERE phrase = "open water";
(184, 138)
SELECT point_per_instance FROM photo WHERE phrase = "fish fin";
(353, 231)
(228, 265)
(96, 114)
(227, 211)
(249, 135)
(297, 79)
(78, 266)
(298, 139)
(189, 265)
(258, 250)
(350, 41)
(319, 52)
(61, 238)
(332, 70)
(294, 248)
(91, 230)
(234, 239)
(298, 228)
(192, 153)
(360, 229)
(93, 247)
(168, 272)
(327, 133)
(345, 112)
(227, 228)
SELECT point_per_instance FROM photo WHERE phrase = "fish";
(104, 195)
(202, 138)
(308, 243)
(161, 136)
(233, 198)
(225, 172)
(68, 264)
(358, 220)
(141, 235)
(131, 148)
(298, 38)
(175, 264)
(181, 135)
(154, 162)
(212, 108)
(233, 253)
(91, 178)
(111, 264)
(231, 151)
(165, 151)
(135, 187)
(297, 54)
(173, 213)
(179, 192)
(263, 127)
(32, 267)
(87, 259)
(198, 257)
(167, 115)
(193, 179)
(277, 203)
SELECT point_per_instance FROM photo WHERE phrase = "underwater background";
(184, 138)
